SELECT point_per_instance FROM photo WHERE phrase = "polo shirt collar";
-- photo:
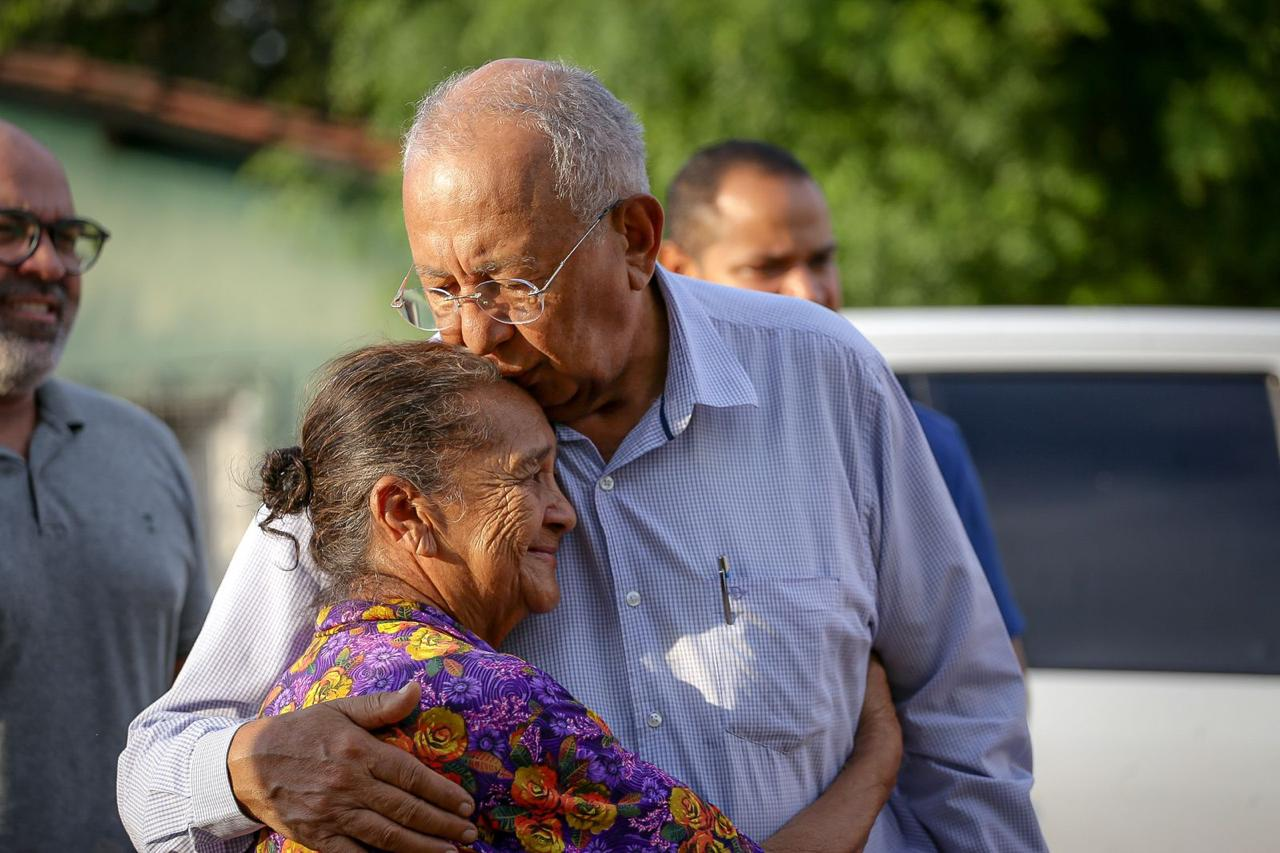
(701, 369)
(57, 409)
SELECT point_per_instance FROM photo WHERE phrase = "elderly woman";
(431, 486)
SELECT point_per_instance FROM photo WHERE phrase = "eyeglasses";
(514, 301)
(77, 242)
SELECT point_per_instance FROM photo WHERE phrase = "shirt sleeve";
(961, 476)
(172, 785)
(965, 779)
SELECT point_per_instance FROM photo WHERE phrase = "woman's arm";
(842, 818)
(552, 775)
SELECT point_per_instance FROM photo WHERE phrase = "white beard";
(25, 363)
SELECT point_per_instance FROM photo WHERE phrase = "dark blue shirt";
(961, 477)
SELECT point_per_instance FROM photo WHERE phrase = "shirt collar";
(57, 408)
(701, 369)
(350, 613)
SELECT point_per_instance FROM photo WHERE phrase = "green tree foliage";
(1037, 151)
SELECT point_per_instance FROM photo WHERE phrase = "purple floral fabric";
(545, 772)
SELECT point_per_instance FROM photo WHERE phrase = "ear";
(400, 517)
(673, 256)
(640, 220)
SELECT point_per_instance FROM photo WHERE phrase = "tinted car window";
(1138, 515)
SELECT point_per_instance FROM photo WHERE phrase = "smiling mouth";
(546, 552)
(40, 310)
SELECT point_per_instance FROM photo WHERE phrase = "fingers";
(375, 710)
(339, 845)
(377, 832)
(417, 797)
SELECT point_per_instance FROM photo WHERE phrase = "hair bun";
(286, 481)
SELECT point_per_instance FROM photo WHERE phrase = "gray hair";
(597, 143)
(403, 409)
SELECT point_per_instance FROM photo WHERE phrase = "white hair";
(597, 143)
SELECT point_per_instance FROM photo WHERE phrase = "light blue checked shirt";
(783, 442)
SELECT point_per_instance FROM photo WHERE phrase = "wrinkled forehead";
(513, 422)
(497, 193)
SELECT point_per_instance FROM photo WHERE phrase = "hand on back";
(319, 777)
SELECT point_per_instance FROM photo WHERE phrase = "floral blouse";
(545, 772)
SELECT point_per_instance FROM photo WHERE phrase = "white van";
(1131, 460)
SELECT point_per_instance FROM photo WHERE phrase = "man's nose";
(45, 264)
(481, 333)
(800, 281)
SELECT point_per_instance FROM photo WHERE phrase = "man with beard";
(104, 589)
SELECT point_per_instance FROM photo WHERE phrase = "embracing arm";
(966, 771)
(841, 819)
(192, 771)
(173, 788)
(552, 775)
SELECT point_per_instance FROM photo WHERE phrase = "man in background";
(748, 214)
(102, 585)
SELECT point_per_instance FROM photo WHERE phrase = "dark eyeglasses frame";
(88, 227)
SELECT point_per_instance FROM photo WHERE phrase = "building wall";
(213, 300)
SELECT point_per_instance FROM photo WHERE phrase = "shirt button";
(655, 720)
(606, 483)
(633, 598)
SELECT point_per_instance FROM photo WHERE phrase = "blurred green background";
(1034, 152)
(1038, 151)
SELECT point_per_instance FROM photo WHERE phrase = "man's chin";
(25, 364)
(557, 397)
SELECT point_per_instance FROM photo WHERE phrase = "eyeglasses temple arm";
(581, 240)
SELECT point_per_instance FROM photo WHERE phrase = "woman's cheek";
(508, 525)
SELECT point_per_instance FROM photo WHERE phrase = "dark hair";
(693, 190)
(398, 409)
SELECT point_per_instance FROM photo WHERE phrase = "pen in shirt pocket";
(729, 615)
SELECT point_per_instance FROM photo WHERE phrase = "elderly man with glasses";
(101, 566)
(757, 509)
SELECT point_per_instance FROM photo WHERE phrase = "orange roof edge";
(192, 109)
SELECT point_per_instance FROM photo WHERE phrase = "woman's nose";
(560, 513)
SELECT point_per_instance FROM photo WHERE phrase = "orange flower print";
(587, 807)
(599, 721)
(703, 842)
(724, 827)
(535, 789)
(310, 655)
(398, 738)
(334, 684)
(540, 834)
(426, 643)
(377, 613)
(688, 811)
(440, 736)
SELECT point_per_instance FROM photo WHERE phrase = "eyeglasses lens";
(77, 242)
(17, 237)
(510, 301)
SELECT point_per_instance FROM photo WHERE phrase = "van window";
(1138, 515)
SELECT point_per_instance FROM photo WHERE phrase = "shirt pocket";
(782, 672)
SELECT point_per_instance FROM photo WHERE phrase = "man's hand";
(319, 777)
(841, 819)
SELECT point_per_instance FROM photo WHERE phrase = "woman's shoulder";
(363, 647)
